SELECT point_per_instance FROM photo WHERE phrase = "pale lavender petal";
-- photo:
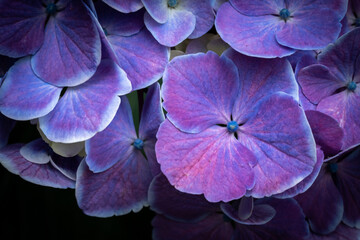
(157, 9)
(71, 50)
(125, 6)
(258, 7)
(36, 151)
(212, 162)
(113, 144)
(22, 26)
(24, 96)
(141, 57)
(280, 137)
(165, 199)
(6, 126)
(179, 26)
(88, 108)
(196, 81)
(42, 174)
(67, 166)
(116, 191)
(252, 36)
(342, 232)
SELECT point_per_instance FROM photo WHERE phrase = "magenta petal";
(282, 143)
(88, 108)
(113, 144)
(71, 50)
(36, 151)
(141, 57)
(116, 191)
(22, 26)
(196, 81)
(212, 162)
(252, 36)
(125, 6)
(42, 174)
(24, 96)
(258, 7)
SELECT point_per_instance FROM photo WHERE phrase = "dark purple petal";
(258, 7)
(280, 137)
(342, 232)
(252, 36)
(296, 57)
(6, 126)
(125, 6)
(88, 108)
(113, 144)
(211, 228)
(179, 26)
(141, 57)
(212, 162)
(42, 174)
(22, 26)
(67, 166)
(24, 96)
(304, 61)
(194, 93)
(116, 191)
(165, 199)
(36, 151)
(322, 203)
(71, 50)
(149, 149)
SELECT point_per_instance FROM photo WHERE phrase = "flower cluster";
(229, 119)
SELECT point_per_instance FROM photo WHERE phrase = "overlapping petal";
(125, 6)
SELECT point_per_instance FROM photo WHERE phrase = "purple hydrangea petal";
(116, 191)
(23, 96)
(125, 6)
(252, 36)
(42, 174)
(6, 126)
(342, 232)
(179, 26)
(113, 144)
(36, 151)
(149, 149)
(246, 207)
(210, 162)
(304, 61)
(141, 57)
(348, 182)
(157, 9)
(296, 57)
(165, 199)
(67, 166)
(258, 7)
(88, 108)
(260, 78)
(211, 228)
(199, 44)
(305, 184)
(22, 27)
(196, 81)
(282, 143)
(71, 50)
(322, 204)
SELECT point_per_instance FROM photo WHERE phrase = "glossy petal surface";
(125, 6)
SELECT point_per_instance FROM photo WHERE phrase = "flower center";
(333, 167)
(357, 22)
(351, 86)
(284, 14)
(172, 3)
(51, 9)
(232, 126)
(138, 144)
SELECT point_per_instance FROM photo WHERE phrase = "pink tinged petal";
(24, 96)
(348, 182)
(6, 126)
(113, 144)
(258, 79)
(116, 191)
(212, 162)
(258, 7)
(125, 6)
(22, 27)
(42, 174)
(71, 50)
(88, 108)
(197, 83)
(36, 151)
(342, 232)
(344, 107)
(317, 82)
(157, 9)
(166, 200)
(322, 203)
(305, 184)
(252, 36)
(141, 57)
(177, 28)
(280, 137)
(211, 228)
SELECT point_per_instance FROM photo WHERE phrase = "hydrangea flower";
(333, 84)
(114, 177)
(353, 14)
(60, 34)
(172, 21)
(268, 29)
(228, 137)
